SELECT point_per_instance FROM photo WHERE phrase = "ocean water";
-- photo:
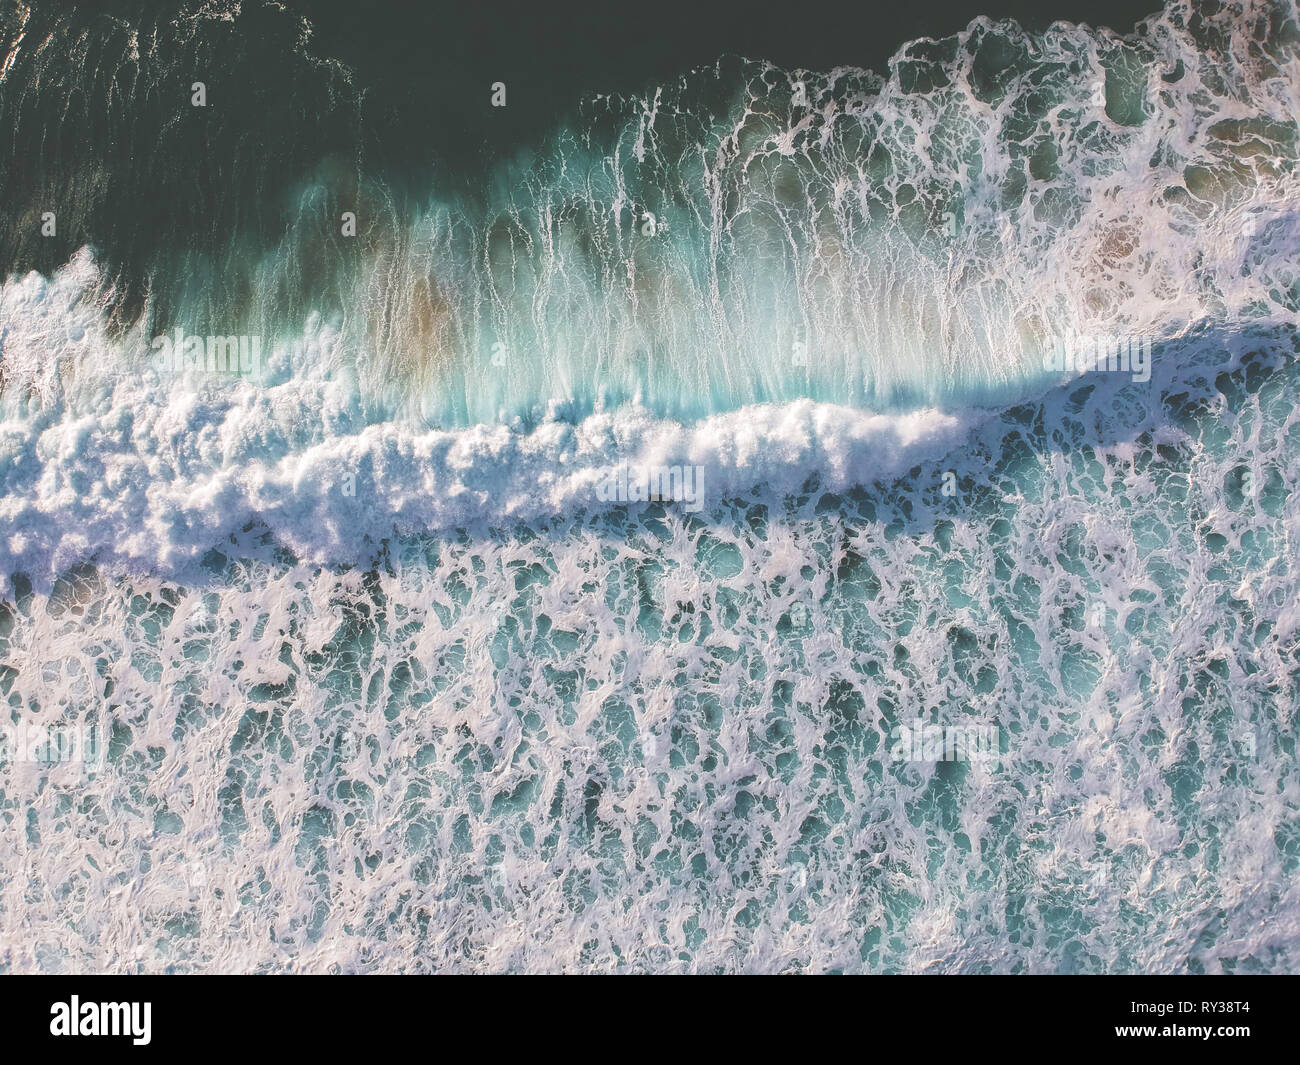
(372, 674)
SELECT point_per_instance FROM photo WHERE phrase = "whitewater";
(386, 683)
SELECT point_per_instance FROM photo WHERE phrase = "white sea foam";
(155, 468)
(537, 731)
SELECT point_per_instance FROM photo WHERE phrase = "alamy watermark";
(126, 1019)
(920, 741)
(177, 353)
(653, 484)
(51, 745)
(1081, 352)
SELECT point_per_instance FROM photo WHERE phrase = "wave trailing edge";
(748, 234)
(156, 469)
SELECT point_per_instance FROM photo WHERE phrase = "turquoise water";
(384, 684)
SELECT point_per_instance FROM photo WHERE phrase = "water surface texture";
(374, 673)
